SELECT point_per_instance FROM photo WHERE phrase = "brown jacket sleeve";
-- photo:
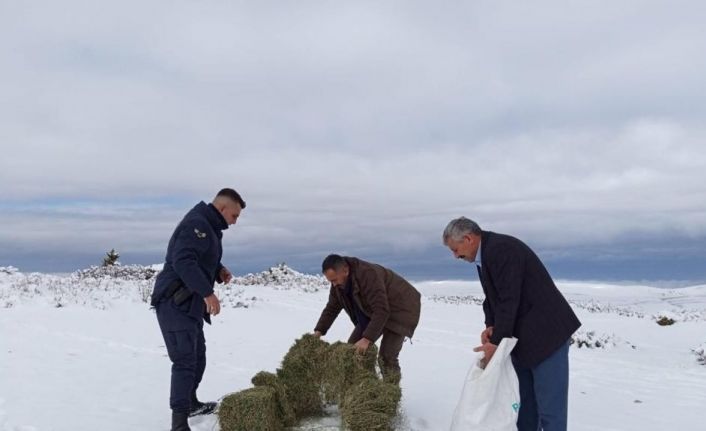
(372, 288)
(330, 312)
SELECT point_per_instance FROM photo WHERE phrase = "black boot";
(199, 408)
(180, 421)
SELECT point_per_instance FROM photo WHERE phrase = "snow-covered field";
(83, 351)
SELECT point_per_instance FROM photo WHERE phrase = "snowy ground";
(83, 352)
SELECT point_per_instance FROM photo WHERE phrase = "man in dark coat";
(378, 302)
(521, 301)
(183, 297)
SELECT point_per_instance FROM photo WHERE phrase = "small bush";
(111, 258)
(591, 340)
(665, 321)
(9, 270)
(700, 353)
(122, 272)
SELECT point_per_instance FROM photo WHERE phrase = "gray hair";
(459, 227)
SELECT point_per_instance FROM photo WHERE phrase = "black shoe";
(199, 408)
(180, 421)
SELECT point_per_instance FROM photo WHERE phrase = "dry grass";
(313, 373)
(253, 409)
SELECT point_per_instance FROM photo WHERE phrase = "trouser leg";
(527, 419)
(551, 388)
(200, 360)
(181, 346)
(388, 358)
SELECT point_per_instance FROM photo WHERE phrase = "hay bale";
(314, 372)
(345, 368)
(371, 405)
(253, 409)
(301, 373)
(284, 407)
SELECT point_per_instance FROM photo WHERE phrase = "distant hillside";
(101, 286)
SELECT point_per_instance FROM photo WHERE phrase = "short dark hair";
(333, 261)
(232, 195)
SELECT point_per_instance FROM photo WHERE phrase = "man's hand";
(213, 305)
(486, 334)
(317, 334)
(489, 350)
(225, 275)
(361, 346)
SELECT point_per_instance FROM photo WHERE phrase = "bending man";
(378, 302)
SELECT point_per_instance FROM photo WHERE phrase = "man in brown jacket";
(379, 303)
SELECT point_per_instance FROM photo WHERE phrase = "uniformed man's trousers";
(186, 346)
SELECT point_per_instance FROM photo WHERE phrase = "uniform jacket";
(193, 257)
(386, 298)
(521, 300)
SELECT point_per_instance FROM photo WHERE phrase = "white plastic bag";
(490, 400)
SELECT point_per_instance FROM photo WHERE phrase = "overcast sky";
(360, 128)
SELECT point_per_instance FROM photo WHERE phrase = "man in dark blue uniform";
(521, 301)
(183, 297)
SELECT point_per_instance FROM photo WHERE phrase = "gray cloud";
(359, 127)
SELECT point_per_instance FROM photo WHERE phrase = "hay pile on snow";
(314, 373)
(253, 409)
(302, 374)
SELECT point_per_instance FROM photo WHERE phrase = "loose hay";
(302, 373)
(371, 405)
(391, 376)
(344, 368)
(253, 409)
(313, 373)
(284, 407)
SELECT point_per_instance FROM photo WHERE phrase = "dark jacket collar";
(352, 268)
(351, 261)
(215, 219)
(484, 237)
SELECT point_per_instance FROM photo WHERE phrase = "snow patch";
(593, 306)
(119, 353)
(591, 340)
(457, 299)
(8, 269)
(282, 277)
(103, 286)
